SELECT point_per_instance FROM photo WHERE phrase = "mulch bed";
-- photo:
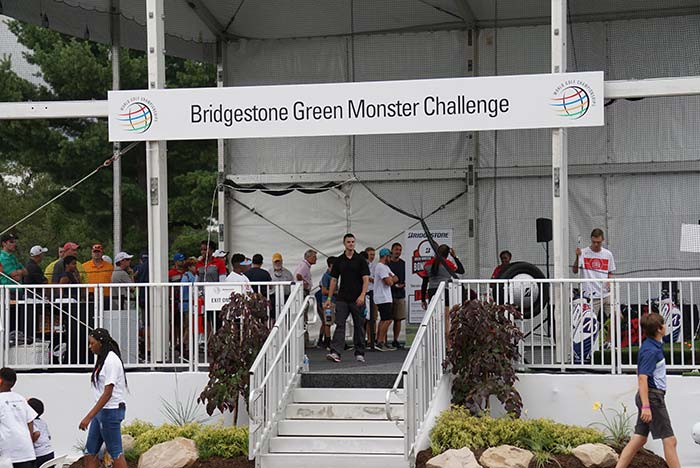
(213, 462)
(643, 459)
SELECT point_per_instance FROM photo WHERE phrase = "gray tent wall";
(322, 219)
(636, 177)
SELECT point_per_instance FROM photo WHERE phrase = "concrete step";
(343, 395)
(341, 411)
(366, 445)
(321, 460)
(348, 380)
(357, 428)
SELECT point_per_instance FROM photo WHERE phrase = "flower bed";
(217, 446)
(553, 444)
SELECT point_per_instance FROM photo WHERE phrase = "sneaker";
(398, 345)
(358, 358)
(333, 357)
(349, 347)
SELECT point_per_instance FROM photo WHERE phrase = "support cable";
(108, 162)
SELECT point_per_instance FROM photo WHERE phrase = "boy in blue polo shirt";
(652, 413)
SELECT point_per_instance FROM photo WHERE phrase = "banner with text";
(417, 246)
(216, 296)
(378, 107)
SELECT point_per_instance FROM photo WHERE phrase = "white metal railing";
(276, 369)
(162, 325)
(594, 333)
(420, 373)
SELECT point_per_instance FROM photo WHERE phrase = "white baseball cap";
(122, 256)
(219, 253)
(37, 250)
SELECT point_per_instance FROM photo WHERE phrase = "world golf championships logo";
(572, 100)
(137, 115)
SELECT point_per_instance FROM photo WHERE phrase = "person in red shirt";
(210, 269)
(505, 257)
(176, 272)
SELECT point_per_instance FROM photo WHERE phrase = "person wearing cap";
(34, 273)
(384, 279)
(278, 273)
(178, 269)
(211, 269)
(122, 274)
(97, 270)
(239, 265)
(8, 258)
(69, 249)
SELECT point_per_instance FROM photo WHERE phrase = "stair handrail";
(276, 368)
(421, 372)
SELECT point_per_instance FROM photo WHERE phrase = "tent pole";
(157, 176)
(560, 183)
(116, 146)
(222, 167)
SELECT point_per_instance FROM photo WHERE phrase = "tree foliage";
(482, 356)
(42, 157)
(233, 349)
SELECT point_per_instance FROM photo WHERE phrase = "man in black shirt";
(398, 291)
(353, 272)
(256, 274)
(35, 275)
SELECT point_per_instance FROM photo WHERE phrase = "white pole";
(157, 177)
(116, 147)
(221, 63)
(560, 175)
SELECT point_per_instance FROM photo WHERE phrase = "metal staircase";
(294, 425)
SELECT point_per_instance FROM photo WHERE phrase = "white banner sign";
(417, 246)
(379, 107)
(216, 296)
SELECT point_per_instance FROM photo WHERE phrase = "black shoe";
(398, 345)
(349, 347)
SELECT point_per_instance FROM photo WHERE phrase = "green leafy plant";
(233, 349)
(542, 459)
(458, 428)
(80, 445)
(181, 412)
(484, 347)
(219, 441)
(164, 433)
(618, 427)
(137, 427)
(224, 442)
(541, 443)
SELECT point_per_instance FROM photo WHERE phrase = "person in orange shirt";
(98, 271)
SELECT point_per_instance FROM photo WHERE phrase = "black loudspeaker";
(544, 229)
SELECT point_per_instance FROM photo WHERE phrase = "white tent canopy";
(192, 27)
(635, 177)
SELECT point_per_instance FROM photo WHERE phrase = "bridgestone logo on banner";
(381, 107)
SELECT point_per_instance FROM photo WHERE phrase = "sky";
(10, 47)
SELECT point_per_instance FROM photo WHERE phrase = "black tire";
(525, 269)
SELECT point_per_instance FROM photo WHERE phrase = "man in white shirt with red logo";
(596, 263)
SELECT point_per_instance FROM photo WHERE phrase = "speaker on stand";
(544, 234)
